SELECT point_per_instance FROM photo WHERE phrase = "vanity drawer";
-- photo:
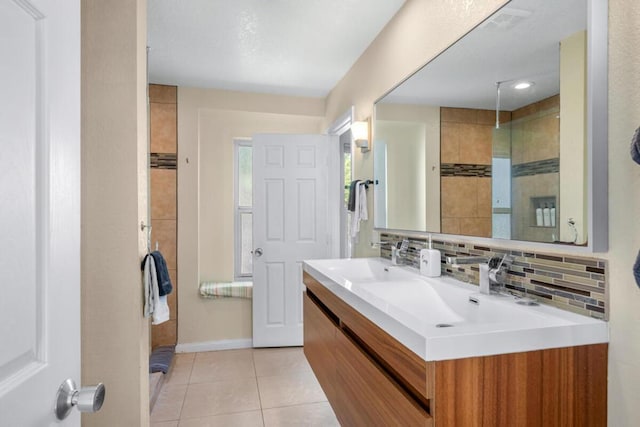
(319, 345)
(367, 395)
(408, 368)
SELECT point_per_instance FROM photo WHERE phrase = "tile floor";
(242, 388)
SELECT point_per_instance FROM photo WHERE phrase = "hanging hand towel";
(154, 304)
(161, 311)
(362, 200)
(164, 281)
(635, 146)
(360, 213)
(636, 270)
(635, 155)
(351, 206)
(150, 286)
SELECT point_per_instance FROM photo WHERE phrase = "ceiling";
(292, 47)
(519, 42)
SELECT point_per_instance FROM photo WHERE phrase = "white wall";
(624, 211)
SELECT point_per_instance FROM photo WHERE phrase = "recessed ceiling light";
(523, 85)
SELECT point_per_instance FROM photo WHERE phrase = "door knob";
(257, 252)
(86, 399)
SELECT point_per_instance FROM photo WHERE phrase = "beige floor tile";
(309, 415)
(290, 389)
(169, 404)
(165, 424)
(221, 397)
(279, 361)
(222, 365)
(181, 371)
(242, 419)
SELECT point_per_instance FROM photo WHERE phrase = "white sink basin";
(435, 318)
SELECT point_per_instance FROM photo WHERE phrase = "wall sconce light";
(360, 134)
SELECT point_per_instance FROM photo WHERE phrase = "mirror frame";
(597, 185)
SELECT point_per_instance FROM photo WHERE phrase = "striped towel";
(226, 289)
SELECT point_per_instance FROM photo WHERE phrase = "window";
(346, 167)
(243, 196)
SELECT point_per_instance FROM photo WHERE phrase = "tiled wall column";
(466, 140)
(163, 111)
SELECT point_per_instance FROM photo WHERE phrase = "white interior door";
(40, 214)
(291, 223)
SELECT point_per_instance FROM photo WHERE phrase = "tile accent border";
(461, 169)
(569, 282)
(163, 161)
(536, 168)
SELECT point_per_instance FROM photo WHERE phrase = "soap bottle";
(552, 214)
(430, 261)
(539, 216)
(546, 215)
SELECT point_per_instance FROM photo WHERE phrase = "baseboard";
(195, 347)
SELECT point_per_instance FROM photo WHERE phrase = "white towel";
(150, 286)
(154, 304)
(160, 311)
(360, 213)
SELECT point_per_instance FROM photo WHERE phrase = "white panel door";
(40, 214)
(290, 224)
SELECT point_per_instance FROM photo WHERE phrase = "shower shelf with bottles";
(543, 211)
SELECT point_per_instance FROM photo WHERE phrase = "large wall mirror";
(503, 135)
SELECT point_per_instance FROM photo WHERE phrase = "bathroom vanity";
(390, 347)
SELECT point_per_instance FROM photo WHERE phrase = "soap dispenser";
(430, 261)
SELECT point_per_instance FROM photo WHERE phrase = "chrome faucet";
(491, 270)
(399, 252)
(497, 268)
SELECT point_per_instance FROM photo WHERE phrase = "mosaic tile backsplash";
(163, 160)
(569, 282)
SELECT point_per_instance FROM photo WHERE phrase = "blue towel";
(635, 146)
(635, 155)
(636, 270)
(160, 359)
(164, 281)
(351, 206)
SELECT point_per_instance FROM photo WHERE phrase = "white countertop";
(408, 306)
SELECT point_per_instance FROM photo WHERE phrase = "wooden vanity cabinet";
(363, 387)
(319, 345)
(371, 379)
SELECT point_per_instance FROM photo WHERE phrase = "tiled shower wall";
(569, 282)
(163, 116)
(466, 150)
(535, 156)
